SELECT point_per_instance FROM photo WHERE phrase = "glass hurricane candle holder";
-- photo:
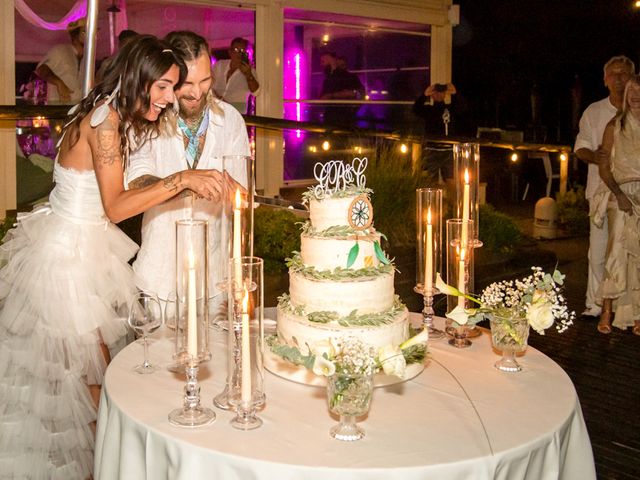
(236, 224)
(192, 318)
(244, 388)
(428, 251)
(459, 274)
(466, 173)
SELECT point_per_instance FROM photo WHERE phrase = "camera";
(244, 56)
(440, 87)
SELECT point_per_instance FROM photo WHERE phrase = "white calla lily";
(422, 337)
(459, 315)
(446, 289)
(392, 360)
(324, 367)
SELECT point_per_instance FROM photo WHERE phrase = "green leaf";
(353, 254)
(380, 253)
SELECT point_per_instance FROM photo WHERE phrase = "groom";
(206, 130)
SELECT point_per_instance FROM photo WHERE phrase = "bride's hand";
(204, 183)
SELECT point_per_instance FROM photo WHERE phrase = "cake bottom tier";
(297, 330)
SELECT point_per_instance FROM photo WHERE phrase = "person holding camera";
(437, 113)
(235, 79)
(440, 120)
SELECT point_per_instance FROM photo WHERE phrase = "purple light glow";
(294, 87)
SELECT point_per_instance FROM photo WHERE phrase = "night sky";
(505, 48)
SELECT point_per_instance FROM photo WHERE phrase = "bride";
(64, 274)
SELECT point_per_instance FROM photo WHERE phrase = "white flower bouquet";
(537, 297)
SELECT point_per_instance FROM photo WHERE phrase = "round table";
(459, 419)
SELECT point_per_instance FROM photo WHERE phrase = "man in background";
(62, 68)
(234, 79)
(617, 71)
(124, 37)
(339, 84)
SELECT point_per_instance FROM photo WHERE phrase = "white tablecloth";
(423, 428)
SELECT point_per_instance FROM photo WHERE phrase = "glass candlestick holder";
(236, 224)
(459, 275)
(428, 251)
(249, 274)
(192, 318)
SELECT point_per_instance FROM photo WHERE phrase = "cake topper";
(335, 175)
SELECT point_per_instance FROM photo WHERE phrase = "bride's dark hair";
(129, 76)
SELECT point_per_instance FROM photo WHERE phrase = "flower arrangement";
(352, 356)
(537, 297)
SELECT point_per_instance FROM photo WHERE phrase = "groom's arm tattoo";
(143, 181)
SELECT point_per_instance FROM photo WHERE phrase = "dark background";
(506, 49)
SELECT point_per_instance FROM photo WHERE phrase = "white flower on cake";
(392, 360)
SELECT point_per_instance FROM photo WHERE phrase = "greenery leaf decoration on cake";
(323, 317)
(349, 191)
(352, 320)
(380, 253)
(337, 231)
(290, 354)
(353, 255)
(296, 265)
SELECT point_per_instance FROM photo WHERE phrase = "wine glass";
(145, 316)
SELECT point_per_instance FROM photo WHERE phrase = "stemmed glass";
(145, 316)
(349, 396)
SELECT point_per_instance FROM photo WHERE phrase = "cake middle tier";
(327, 253)
(366, 295)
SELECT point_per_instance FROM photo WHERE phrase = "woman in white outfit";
(64, 274)
(619, 167)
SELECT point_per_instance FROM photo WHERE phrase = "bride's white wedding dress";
(63, 278)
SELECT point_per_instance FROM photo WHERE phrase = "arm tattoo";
(143, 181)
(172, 181)
(108, 151)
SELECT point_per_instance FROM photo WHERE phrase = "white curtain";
(78, 10)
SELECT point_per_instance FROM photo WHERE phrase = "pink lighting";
(294, 83)
(297, 74)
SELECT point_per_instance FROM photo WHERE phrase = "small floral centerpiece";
(512, 307)
(537, 297)
(350, 354)
(349, 365)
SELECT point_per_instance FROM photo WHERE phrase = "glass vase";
(349, 396)
(509, 335)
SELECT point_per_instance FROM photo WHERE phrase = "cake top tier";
(337, 179)
(341, 198)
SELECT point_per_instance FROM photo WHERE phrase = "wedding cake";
(341, 281)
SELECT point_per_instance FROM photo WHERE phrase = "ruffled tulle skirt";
(64, 288)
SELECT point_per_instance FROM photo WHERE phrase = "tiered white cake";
(341, 282)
